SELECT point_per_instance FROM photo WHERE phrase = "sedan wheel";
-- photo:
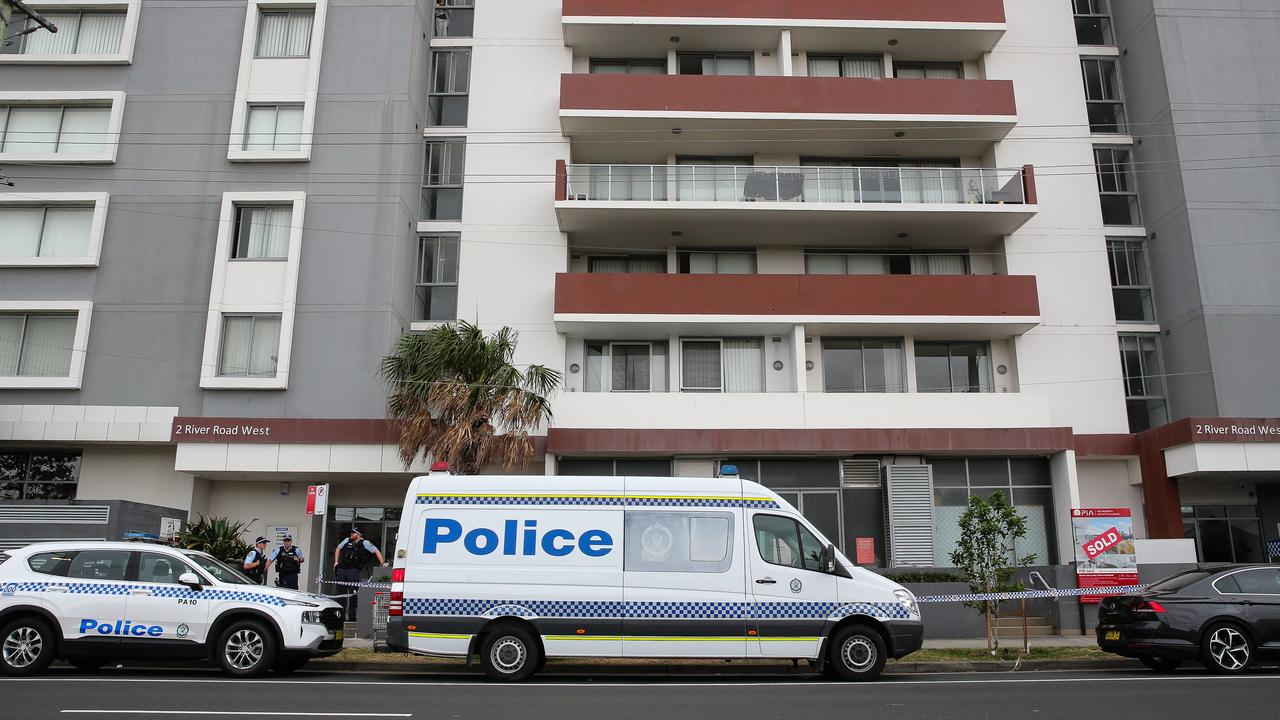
(1227, 650)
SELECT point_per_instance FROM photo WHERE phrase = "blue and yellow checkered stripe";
(610, 501)
(163, 591)
(645, 610)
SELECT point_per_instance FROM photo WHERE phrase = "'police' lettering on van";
(515, 539)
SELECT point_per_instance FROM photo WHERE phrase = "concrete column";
(673, 363)
(888, 65)
(1066, 495)
(784, 54)
(673, 65)
(798, 357)
(909, 357)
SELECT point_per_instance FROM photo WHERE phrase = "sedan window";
(1181, 580)
(1259, 582)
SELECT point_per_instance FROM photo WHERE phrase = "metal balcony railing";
(798, 184)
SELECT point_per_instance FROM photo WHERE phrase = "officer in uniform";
(349, 559)
(288, 561)
(256, 562)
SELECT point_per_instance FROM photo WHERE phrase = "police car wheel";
(27, 647)
(509, 654)
(246, 649)
(857, 653)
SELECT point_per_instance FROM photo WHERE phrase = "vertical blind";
(45, 232)
(249, 345)
(78, 34)
(856, 66)
(700, 365)
(36, 345)
(743, 366)
(284, 34)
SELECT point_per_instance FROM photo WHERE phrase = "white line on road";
(237, 712)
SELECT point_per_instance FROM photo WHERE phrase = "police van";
(514, 570)
(94, 602)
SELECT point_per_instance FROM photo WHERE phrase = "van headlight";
(312, 617)
(907, 600)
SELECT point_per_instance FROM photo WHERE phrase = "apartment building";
(880, 256)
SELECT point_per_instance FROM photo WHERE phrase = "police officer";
(256, 562)
(288, 561)
(349, 558)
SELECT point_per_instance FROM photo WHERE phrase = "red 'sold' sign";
(1102, 543)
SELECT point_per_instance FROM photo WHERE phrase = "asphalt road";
(1115, 695)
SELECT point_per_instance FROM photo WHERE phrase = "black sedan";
(1226, 617)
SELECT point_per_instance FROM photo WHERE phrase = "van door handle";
(766, 581)
(139, 591)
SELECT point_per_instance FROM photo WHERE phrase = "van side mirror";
(191, 580)
(829, 560)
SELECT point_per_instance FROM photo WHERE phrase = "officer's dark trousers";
(349, 575)
(288, 580)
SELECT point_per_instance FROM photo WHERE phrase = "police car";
(93, 602)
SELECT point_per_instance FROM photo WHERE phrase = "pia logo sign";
(514, 538)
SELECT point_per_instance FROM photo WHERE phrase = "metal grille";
(910, 499)
(60, 514)
(15, 543)
(860, 474)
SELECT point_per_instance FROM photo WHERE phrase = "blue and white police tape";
(349, 584)
(1273, 548)
(1033, 594)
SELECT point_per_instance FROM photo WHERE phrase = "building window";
(855, 365)
(730, 262)
(628, 67)
(953, 367)
(1143, 382)
(1130, 280)
(79, 33)
(714, 63)
(285, 33)
(848, 66)
(46, 129)
(1103, 95)
(450, 83)
(250, 346)
(454, 18)
(39, 475)
(1026, 484)
(36, 345)
(436, 287)
(626, 367)
(273, 127)
(621, 467)
(929, 70)
(1117, 187)
(630, 264)
(1093, 22)
(442, 179)
(262, 232)
(728, 365)
(931, 263)
(45, 231)
(1225, 533)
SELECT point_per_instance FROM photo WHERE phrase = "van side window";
(678, 542)
(51, 563)
(783, 541)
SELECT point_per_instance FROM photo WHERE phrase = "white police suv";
(93, 602)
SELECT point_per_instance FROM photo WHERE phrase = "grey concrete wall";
(151, 291)
(1196, 85)
(124, 517)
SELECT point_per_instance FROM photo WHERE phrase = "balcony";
(632, 205)
(953, 307)
(923, 29)
(657, 115)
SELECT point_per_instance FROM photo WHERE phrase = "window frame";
(755, 540)
(716, 55)
(275, 128)
(684, 260)
(26, 479)
(423, 323)
(112, 101)
(83, 311)
(128, 35)
(238, 232)
(951, 389)
(1118, 173)
(435, 115)
(1146, 378)
(902, 350)
(841, 58)
(719, 356)
(446, 6)
(927, 66)
(630, 259)
(717, 567)
(135, 568)
(1103, 15)
(222, 347)
(628, 63)
(265, 10)
(1133, 251)
(1122, 116)
(93, 247)
(452, 150)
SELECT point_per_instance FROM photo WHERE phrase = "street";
(1128, 694)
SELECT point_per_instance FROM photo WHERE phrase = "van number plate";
(1113, 635)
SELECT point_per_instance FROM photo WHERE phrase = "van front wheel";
(856, 652)
(509, 654)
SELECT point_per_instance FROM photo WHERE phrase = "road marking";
(237, 712)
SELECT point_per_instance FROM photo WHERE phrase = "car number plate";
(337, 635)
(1111, 635)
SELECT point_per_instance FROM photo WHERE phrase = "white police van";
(518, 569)
(93, 602)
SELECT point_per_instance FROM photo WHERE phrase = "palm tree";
(454, 394)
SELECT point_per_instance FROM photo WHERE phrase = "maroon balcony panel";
(905, 295)
(562, 181)
(853, 96)
(984, 11)
(1029, 184)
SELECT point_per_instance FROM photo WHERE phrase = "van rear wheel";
(509, 654)
(856, 653)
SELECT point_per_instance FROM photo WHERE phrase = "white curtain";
(288, 127)
(702, 263)
(927, 182)
(100, 33)
(63, 42)
(726, 66)
(20, 231)
(863, 67)
(630, 367)
(882, 361)
(609, 265)
(830, 181)
(266, 346)
(937, 265)
(700, 365)
(284, 34)
(735, 263)
(269, 232)
(10, 342)
(824, 264)
(824, 67)
(236, 338)
(658, 368)
(250, 345)
(84, 130)
(46, 346)
(66, 232)
(260, 129)
(743, 366)
(593, 375)
(32, 130)
(865, 264)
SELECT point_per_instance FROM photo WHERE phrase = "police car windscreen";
(219, 570)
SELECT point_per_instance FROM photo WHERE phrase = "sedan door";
(162, 609)
(1260, 596)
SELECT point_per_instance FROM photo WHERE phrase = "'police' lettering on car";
(515, 537)
(121, 628)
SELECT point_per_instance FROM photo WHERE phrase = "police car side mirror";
(190, 580)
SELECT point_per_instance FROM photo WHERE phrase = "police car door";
(91, 600)
(792, 596)
(157, 600)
